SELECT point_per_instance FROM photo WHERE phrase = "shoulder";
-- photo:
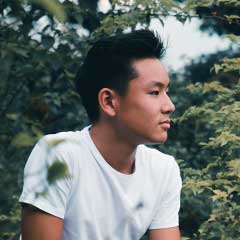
(60, 138)
(63, 146)
(156, 157)
(158, 163)
(61, 142)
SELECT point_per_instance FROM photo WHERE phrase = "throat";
(118, 154)
(125, 167)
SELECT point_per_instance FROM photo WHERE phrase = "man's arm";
(39, 225)
(172, 233)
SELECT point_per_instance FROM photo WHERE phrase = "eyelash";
(155, 93)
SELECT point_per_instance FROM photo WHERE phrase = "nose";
(168, 106)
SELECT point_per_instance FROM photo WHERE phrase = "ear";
(107, 99)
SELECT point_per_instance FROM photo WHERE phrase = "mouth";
(166, 121)
(165, 124)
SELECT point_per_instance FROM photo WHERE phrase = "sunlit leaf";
(57, 171)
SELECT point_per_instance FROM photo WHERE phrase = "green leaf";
(23, 139)
(53, 7)
(21, 51)
(55, 142)
(218, 194)
(12, 116)
(234, 167)
(57, 171)
(47, 41)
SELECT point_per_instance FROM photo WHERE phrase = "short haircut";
(109, 63)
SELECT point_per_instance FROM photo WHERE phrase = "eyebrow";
(158, 84)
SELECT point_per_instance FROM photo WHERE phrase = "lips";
(166, 121)
(166, 124)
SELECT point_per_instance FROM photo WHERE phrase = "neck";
(117, 151)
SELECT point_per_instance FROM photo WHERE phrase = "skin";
(137, 118)
(39, 225)
(134, 119)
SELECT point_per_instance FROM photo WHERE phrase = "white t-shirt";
(96, 201)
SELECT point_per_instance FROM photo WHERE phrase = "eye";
(155, 93)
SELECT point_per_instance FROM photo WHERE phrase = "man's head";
(110, 64)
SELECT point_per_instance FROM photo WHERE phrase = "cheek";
(141, 117)
(143, 111)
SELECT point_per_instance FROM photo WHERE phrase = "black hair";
(109, 64)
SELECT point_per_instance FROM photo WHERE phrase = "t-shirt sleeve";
(37, 191)
(169, 202)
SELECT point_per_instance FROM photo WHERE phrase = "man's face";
(143, 114)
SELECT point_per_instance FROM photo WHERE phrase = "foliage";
(43, 44)
(219, 180)
(207, 137)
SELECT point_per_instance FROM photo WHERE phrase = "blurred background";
(43, 44)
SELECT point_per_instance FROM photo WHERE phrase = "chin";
(161, 141)
(158, 139)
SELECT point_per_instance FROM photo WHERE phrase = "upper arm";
(172, 233)
(39, 225)
(50, 197)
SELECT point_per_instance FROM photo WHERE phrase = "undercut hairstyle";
(109, 64)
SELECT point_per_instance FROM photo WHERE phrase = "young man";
(117, 188)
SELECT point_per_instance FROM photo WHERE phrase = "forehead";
(150, 72)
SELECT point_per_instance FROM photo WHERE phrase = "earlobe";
(107, 101)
